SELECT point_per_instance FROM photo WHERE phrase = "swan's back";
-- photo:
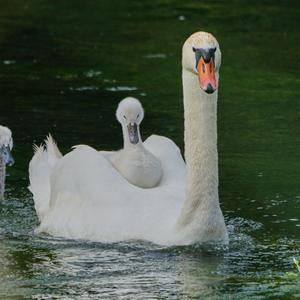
(170, 156)
(91, 200)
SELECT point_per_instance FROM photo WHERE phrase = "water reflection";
(4, 270)
(65, 67)
(47, 267)
(121, 88)
(199, 275)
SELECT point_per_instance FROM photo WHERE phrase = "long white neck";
(201, 209)
(2, 177)
(126, 142)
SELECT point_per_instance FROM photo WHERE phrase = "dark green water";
(64, 66)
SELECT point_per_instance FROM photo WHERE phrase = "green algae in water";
(293, 274)
(297, 264)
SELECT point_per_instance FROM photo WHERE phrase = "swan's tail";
(40, 167)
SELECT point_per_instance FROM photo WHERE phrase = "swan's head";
(201, 55)
(6, 144)
(130, 114)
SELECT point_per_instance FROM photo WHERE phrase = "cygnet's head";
(201, 55)
(6, 145)
(130, 114)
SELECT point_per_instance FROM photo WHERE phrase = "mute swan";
(139, 166)
(83, 196)
(6, 144)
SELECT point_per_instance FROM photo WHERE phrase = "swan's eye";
(124, 117)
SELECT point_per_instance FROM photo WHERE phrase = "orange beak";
(206, 75)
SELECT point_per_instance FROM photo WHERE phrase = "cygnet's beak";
(206, 69)
(7, 156)
(133, 133)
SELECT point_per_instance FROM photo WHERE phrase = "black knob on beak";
(209, 89)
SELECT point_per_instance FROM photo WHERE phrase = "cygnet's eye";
(137, 116)
(124, 117)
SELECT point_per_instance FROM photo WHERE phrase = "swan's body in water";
(6, 144)
(82, 196)
(138, 165)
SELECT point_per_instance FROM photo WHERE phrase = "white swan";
(6, 145)
(138, 165)
(83, 196)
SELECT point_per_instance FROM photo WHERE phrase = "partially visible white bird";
(138, 165)
(6, 145)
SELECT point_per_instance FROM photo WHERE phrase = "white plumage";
(6, 145)
(138, 165)
(81, 195)
(6, 137)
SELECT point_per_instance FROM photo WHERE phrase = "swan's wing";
(173, 165)
(85, 170)
(53, 153)
(39, 174)
(90, 199)
(108, 154)
(40, 168)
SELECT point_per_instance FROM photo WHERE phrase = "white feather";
(90, 199)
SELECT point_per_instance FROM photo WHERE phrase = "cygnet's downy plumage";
(138, 165)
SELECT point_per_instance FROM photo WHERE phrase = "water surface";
(65, 65)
